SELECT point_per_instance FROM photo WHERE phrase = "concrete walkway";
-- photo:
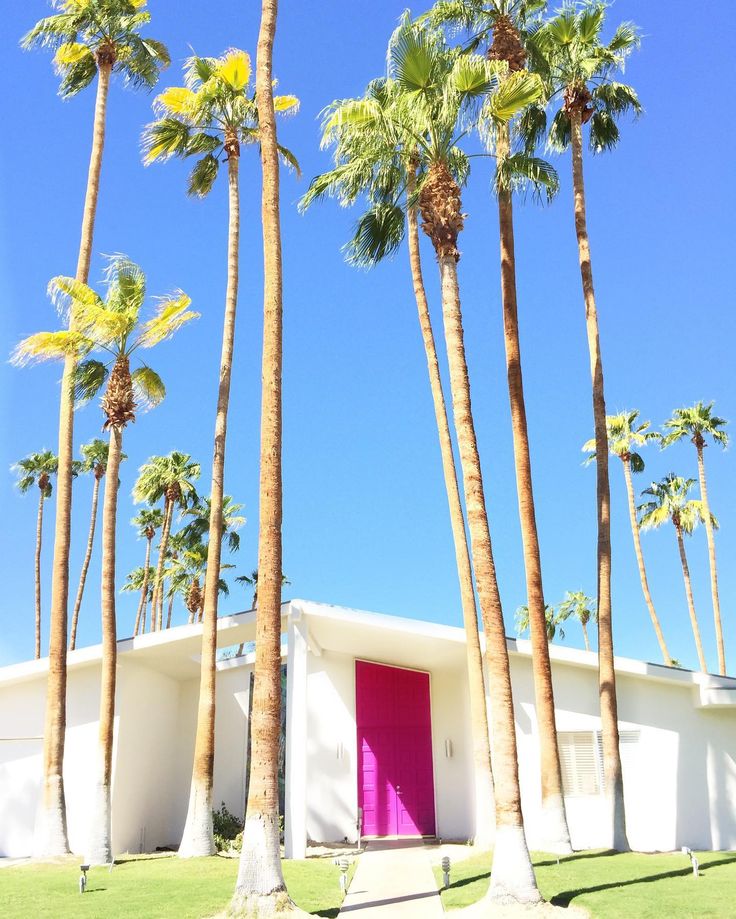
(393, 879)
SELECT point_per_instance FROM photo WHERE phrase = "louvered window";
(581, 763)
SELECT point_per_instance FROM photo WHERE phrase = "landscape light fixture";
(83, 878)
(446, 872)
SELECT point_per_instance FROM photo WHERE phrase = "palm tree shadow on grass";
(598, 853)
(567, 896)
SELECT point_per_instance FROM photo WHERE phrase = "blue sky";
(366, 522)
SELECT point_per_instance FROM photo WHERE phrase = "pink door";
(395, 782)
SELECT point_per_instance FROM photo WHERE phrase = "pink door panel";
(395, 781)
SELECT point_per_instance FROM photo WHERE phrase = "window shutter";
(580, 764)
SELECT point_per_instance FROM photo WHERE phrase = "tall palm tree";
(146, 522)
(94, 460)
(501, 26)
(376, 158)
(172, 478)
(670, 502)
(553, 622)
(580, 70)
(698, 424)
(260, 888)
(438, 87)
(187, 570)
(37, 469)
(624, 434)
(112, 326)
(232, 521)
(213, 114)
(93, 38)
(582, 607)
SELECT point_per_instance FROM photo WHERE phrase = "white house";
(376, 717)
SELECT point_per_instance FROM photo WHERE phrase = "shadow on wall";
(20, 770)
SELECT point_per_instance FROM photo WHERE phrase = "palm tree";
(232, 521)
(670, 503)
(580, 70)
(373, 158)
(437, 88)
(582, 607)
(186, 571)
(698, 424)
(172, 478)
(214, 113)
(260, 887)
(552, 621)
(95, 461)
(111, 326)
(502, 26)
(37, 469)
(89, 39)
(147, 522)
(140, 580)
(623, 435)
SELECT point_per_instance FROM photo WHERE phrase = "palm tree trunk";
(690, 599)
(512, 873)
(585, 636)
(170, 611)
(51, 835)
(140, 619)
(482, 773)
(613, 774)
(555, 831)
(640, 562)
(100, 841)
(198, 836)
(260, 888)
(711, 562)
(39, 531)
(163, 546)
(85, 564)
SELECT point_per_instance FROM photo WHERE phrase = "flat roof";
(397, 639)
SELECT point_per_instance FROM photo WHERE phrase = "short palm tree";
(214, 114)
(111, 325)
(37, 469)
(147, 522)
(374, 157)
(260, 888)
(186, 572)
(580, 71)
(139, 580)
(500, 28)
(171, 478)
(94, 461)
(553, 625)
(698, 424)
(670, 502)
(232, 520)
(624, 435)
(90, 38)
(583, 608)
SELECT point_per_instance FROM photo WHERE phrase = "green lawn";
(153, 887)
(612, 886)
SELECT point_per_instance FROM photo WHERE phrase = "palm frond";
(49, 346)
(378, 234)
(171, 314)
(148, 388)
(202, 177)
(89, 378)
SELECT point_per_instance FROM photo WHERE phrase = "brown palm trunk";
(51, 834)
(99, 850)
(556, 834)
(170, 610)
(39, 532)
(140, 619)
(260, 888)
(85, 564)
(640, 562)
(606, 672)
(690, 599)
(159, 577)
(711, 561)
(482, 773)
(198, 836)
(512, 873)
